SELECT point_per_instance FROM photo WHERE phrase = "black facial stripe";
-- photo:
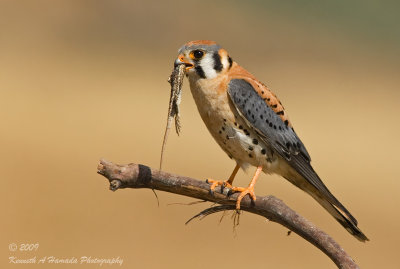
(217, 62)
(200, 71)
(230, 62)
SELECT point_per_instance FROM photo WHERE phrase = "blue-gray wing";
(262, 118)
(276, 134)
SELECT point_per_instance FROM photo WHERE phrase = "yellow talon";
(243, 191)
(249, 190)
(227, 183)
(215, 183)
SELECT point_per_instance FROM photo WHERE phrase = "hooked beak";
(181, 60)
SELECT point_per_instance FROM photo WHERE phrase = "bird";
(252, 127)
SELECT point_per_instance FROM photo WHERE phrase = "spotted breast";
(251, 125)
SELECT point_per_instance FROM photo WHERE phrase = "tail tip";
(357, 233)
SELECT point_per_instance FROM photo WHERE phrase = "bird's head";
(203, 59)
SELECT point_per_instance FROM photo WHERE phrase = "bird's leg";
(249, 190)
(227, 183)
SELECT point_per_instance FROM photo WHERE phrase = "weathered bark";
(270, 207)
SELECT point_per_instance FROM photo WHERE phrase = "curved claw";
(215, 183)
(223, 184)
(249, 190)
(211, 192)
(243, 193)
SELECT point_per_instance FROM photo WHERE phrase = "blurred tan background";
(81, 80)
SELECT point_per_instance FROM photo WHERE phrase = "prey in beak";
(176, 81)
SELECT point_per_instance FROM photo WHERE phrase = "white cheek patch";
(207, 63)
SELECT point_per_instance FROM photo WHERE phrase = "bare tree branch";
(270, 207)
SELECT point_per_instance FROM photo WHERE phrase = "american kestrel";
(251, 125)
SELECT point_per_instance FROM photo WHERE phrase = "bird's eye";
(197, 54)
